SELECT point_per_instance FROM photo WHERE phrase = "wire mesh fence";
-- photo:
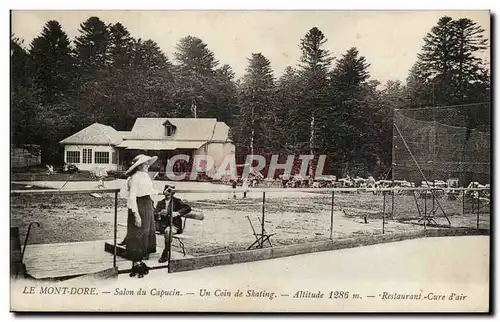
(442, 143)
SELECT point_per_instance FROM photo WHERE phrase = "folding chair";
(261, 238)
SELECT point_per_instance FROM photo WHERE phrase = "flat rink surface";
(432, 267)
(293, 216)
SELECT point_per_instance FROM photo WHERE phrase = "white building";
(101, 147)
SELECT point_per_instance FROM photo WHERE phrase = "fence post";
(433, 197)
(115, 229)
(463, 202)
(383, 215)
(263, 216)
(331, 216)
(392, 207)
(477, 220)
(170, 235)
(425, 207)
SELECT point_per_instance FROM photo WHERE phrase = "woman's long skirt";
(141, 241)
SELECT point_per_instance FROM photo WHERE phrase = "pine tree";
(121, 46)
(195, 78)
(42, 79)
(470, 70)
(52, 64)
(112, 81)
(437, 59)
(225, 95)
(418, 89)
(24, 103)
(311, 113)
(381, 104)
(394, 94)
(289, 93)
(149, 56)
(138, 81)
(193, 55)
(350, 128)
(350, 72)
(156, 75)
(92, 48)
(448, 71)
(256, 100)
(20, 65)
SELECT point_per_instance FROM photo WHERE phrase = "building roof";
(160, 144)
(191, 133)
(187, 129)
(95, 134)
(124, 134)
(221, 132)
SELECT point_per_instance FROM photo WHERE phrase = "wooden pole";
(416, 203)
(392, 210)
(477, 220)
(425, 209)
(383, 216)
(433, 197)
(263, 217)
(463, 202)
(393, 160)
(115, 229)
(170, 235)
(331, 215)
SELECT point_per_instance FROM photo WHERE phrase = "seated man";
(163, 211)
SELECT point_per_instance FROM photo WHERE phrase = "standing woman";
(141, 237)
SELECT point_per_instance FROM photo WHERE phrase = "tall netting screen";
(445, 142)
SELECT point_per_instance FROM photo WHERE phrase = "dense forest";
(326, 104)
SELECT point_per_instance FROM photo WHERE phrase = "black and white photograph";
(328, 161)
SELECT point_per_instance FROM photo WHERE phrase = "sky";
(390, 40)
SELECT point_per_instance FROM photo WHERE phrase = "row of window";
(99, 157)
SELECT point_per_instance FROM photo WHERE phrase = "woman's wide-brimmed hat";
(140, 159)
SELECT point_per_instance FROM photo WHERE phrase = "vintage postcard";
(250, 161)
